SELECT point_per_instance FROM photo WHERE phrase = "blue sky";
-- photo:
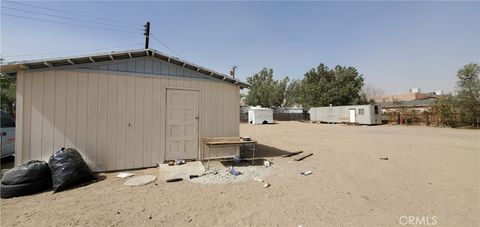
(395, 45)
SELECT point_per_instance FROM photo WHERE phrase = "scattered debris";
(266, 163)
(258, 179)
(246, 138)
(292, 154)
(179, 161)
(266, 185)
(140, 180)
(233, 171)
(171, 163)
(174, 179)
(384, 159)
(237, 159)
(306, 173)
(303, 157)
(125, 175)
(221, 176)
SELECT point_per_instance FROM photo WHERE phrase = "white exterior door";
(352, 116)
(181, 124)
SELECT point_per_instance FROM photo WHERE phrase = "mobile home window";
(7, 121)
(360, 111)
(375, 109)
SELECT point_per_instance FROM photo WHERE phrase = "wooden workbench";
(227, 141)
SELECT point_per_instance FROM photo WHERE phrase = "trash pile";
(233, 174)
(65, 169)
(68, 169)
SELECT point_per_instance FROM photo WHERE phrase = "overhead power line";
(73, 51)
(165, 45)
(65, 23)
(73, 13)
(69, 18)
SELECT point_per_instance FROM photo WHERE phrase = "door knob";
(197, 118)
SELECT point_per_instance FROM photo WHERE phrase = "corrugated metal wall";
(91, 112)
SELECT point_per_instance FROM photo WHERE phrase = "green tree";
(293, 93)
(339, 86)
(7, 93)
(264, 90)
(469, 94)
(445, 108)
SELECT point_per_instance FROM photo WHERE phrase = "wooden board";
(303, 157)
(292, 154)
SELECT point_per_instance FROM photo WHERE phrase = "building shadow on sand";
(262, 153)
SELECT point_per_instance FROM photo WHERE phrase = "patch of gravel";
(247, 173)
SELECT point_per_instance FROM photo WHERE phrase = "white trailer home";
(258, 116)
(359, 114)
(122, 110)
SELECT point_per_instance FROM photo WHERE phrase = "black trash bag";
(27, 172)
(69, 169)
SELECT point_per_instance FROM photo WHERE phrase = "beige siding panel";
(82, 114)
(139, 117)
(19, 102)
(36, 119)
(237, 110)
(207, 116)
(71, 110)
(92, 120)
(48, 117)
(220, 110)
(226, 110)
(27, 117)
(121, 121)
(172, 82)
(147, 121)
(102, 122)
(60, 110)
(111, 121)
(163, 110)
(130, 132)
(210, 102)
(186, 83)
(156, 108)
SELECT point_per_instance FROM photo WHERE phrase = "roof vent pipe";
(232, 72)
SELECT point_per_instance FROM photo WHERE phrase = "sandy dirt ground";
(432, 174)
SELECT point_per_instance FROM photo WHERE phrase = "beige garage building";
(122, 110)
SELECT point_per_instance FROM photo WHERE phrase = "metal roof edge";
(15, 66)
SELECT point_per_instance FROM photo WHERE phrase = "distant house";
(403, 97)
(417, 105)
(409, 112)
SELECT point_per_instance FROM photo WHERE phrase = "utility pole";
(147, 34)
